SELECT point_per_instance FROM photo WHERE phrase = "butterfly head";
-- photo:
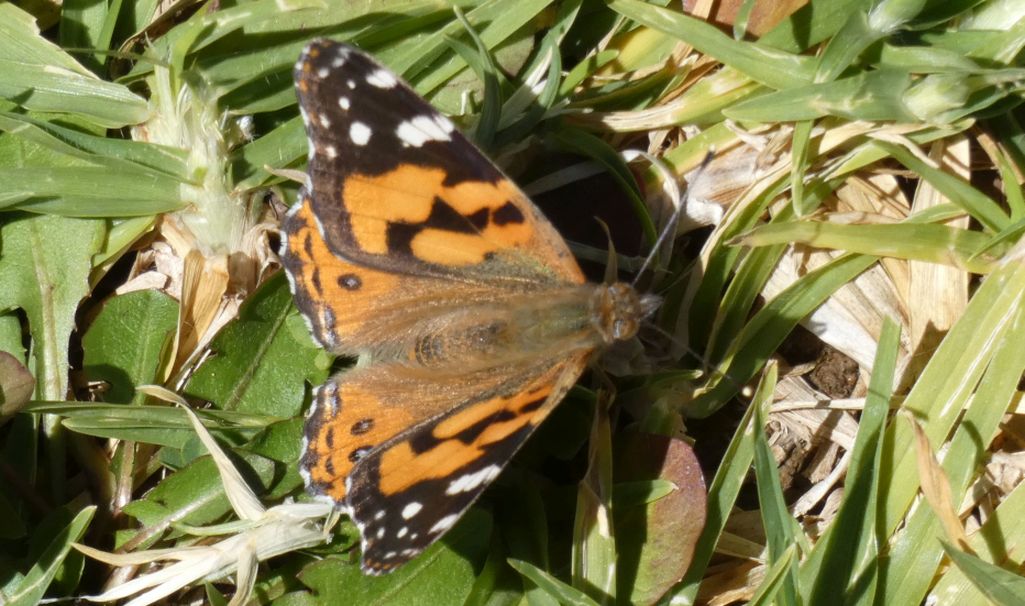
(617, 310)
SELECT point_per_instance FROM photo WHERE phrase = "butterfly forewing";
(419, 198)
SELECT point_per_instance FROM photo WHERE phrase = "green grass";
(866, 185)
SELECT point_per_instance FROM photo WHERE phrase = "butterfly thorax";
(617, 311)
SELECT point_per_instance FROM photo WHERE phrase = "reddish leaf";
(656, 539)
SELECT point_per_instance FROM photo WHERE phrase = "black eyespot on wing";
(350, 281)
(359, 453)
(361, 427)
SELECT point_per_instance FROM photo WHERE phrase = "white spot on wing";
(382, 78)
(331, 152)
(380, 532)
(351, 83)
(379, 515)
(323, 72)
(402, 532)
(305, 473)
(422, 129)
(359, 133)
(343, 102)
(444, 523)
(331, 396)
(324, 121)
(411, 510)
(470, 481)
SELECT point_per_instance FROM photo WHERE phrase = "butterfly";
(471, 319)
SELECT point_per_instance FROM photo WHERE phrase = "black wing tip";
(321, 52)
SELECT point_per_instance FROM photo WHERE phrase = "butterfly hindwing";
(397, 187)
(408, 491)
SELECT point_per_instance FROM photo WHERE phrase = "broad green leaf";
(812, 24)
(126, 342)
(44, 266)
(80, 26)
(444, 574)
(263, 358)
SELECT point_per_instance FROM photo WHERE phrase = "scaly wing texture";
(395, 187)
(408, 472)
(351, 307)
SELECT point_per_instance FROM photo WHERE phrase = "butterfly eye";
(623, 329)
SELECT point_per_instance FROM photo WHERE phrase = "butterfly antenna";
(680, 204)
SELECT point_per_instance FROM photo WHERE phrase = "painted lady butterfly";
(471, 318)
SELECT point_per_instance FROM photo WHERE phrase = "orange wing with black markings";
(412, 250)
(396, 187)
(407, 473)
